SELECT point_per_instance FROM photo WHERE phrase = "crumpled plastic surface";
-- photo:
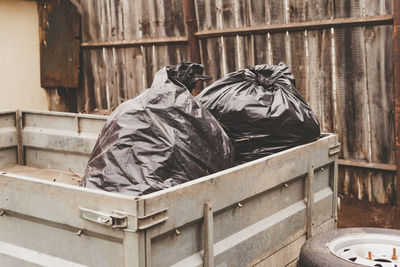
(161, 138)
(261, 111)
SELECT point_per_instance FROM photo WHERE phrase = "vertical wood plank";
(258, 16)
(210, 48)
(62, 99)
(318, 10)
(277, 16)
(348, 9)
(352, 94)
(278, 50)
(244, 45)
(211, 58)
(319, 89)
(299, 59)
(297, 10)
(226, 19)
(133, 57)
(299, 47)
(380, 87)
(175, 27)
(320, 78)
(146, 50)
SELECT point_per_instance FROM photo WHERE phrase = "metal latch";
(122, 220)
(334, 149)
(112, 220)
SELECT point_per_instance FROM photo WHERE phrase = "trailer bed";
(258, 213)
(65, 177)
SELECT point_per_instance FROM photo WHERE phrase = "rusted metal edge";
(367, 165)
(300, 26)
(396, 63)
(133, 43)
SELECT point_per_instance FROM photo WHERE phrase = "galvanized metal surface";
(59, 30)
(258, 215)
(208, 257)
(8, 138)
(310, 199)
(289, 253)
(11, 255)
(334, 184)
(65, 177)
(60, 141)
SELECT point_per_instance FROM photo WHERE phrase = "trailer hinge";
(334, 149)
(123, 220)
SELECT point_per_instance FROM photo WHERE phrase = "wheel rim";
(368, 249)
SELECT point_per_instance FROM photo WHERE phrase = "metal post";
(208, 258)
(191, 25)
(310, 200)
(396, 49)
(134, 249)
(335, 190)
(20, 147)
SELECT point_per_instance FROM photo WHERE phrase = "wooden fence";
(340, 51)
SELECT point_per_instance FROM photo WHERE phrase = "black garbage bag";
(261, 111)
(161, 138)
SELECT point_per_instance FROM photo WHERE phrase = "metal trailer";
(258, 213)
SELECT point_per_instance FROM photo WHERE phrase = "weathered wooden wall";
(364, 97)
(346, 74)
(114, 74)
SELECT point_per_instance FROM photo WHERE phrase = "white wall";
(20, 56)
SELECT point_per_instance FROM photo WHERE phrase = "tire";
(315, 253)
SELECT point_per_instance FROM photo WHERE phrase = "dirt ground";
(358, 213)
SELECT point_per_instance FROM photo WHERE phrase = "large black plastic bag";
(162, 137)
(261, 111)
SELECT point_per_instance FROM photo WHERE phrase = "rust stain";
(353, 213)
(59, 26)
(397, 122)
